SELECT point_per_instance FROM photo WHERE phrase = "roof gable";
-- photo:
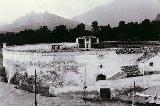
(146, 57)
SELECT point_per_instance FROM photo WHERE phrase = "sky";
(10, 10)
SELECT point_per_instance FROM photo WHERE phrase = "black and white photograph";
(79, 52)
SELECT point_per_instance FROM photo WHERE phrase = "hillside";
(121, 10)
(158, 17)
(35, 20)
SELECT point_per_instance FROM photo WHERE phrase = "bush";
(3, 75)
(16, 79)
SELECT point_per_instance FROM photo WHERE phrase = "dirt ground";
(9, 96)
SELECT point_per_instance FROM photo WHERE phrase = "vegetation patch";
(3, 75)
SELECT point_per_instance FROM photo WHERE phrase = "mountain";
(158, 17)
(121, 10)
(35, 20)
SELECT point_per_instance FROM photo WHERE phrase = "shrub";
(3, 75)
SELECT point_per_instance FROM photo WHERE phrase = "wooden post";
(35, 88)
(133, 103)
(85, 86)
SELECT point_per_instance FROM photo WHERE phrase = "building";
(72, 64)
(149, 64)
(87, 42)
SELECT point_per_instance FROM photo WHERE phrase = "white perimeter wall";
(69, 67)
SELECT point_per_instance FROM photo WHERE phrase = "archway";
(101, 77)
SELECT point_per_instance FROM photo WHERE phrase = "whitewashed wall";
(69, 67)
(111, 63)
(145, 66)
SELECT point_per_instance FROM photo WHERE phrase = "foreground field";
(9, 96)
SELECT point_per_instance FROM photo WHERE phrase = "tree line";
(144, 31)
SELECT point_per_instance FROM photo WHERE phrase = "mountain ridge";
(34, 20)
(121, 10)
(158, 17)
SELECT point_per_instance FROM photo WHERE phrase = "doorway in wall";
(101, 77)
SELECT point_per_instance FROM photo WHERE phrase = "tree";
(43, 29)
(95, 27)
(80, 27)
(60, 34)
(146, 21)
(122, 24)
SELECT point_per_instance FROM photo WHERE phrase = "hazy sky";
(12, 9)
